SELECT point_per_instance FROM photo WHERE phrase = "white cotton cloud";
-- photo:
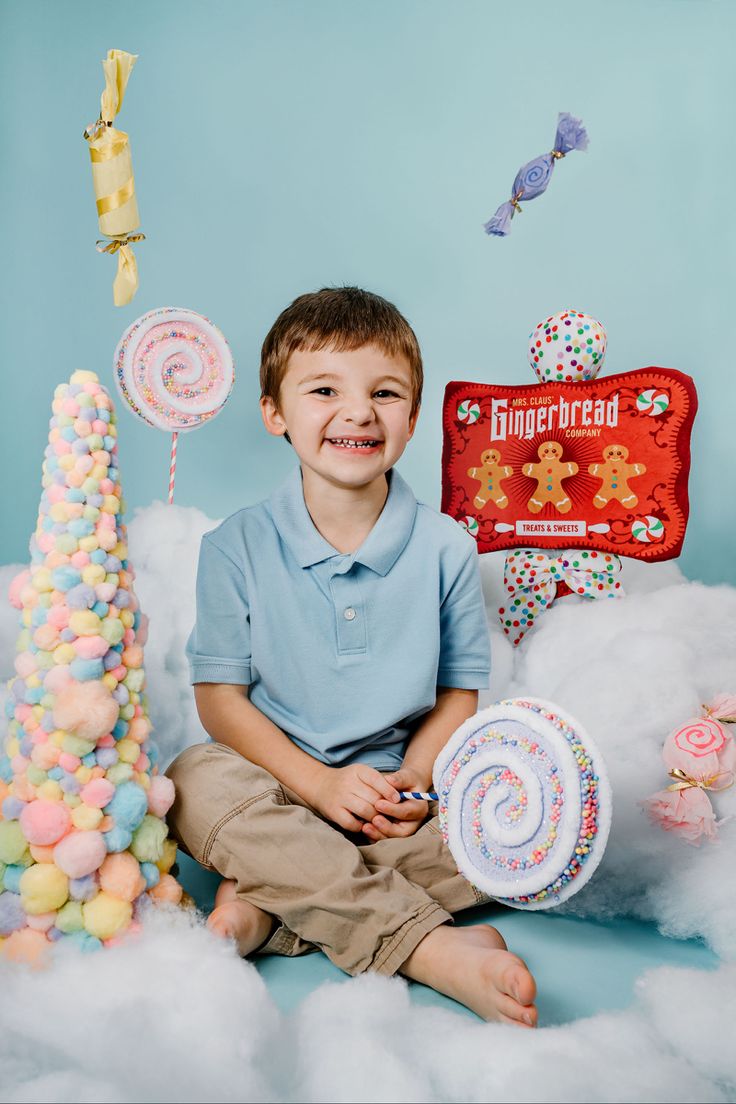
(175, 1015)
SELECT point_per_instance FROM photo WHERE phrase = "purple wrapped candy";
(532, 179)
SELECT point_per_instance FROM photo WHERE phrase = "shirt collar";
(381, 548)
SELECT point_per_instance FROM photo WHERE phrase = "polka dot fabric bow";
(533, 580)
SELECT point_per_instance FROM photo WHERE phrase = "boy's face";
(348, 414)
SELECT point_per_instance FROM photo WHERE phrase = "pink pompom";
(105, 592)
(98, 793)
(56, 493)
(25, 664)
(16, 587)
(57, 678)
(69, 762)
(80, 560)
(44, 822)
(58, 616)
(91, 647)
(41, 922)
(120, 875)
(160, 795)
(45, 542)
(87, 708)
(46, 637)
(143, 630)
(80, 853)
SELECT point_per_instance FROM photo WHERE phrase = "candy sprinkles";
(175, 371)
(524, 803)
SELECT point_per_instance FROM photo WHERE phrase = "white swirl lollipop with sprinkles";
(524, 803)
(174, 369)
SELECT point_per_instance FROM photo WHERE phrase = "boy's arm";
(452, 708)
(346, 796)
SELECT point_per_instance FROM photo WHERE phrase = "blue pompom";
(118, 839)
(12, 877)
(85, 670)
(151, 873)
(65, 577)
(128, 806)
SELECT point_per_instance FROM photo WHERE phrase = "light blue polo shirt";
(343, 652)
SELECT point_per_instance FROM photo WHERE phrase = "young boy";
(340, 641)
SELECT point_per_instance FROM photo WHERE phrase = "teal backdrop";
(284, 145)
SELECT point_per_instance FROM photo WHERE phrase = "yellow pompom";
(57, 737)
(82, 375)
(128, 750)
(12, 842)
(41, 580)
(66, 463)
(12, 747)
(120, 551)
(43, 888)
(33, 682)
(89, 544)
(99, 471)
(50, 791)
(85, 622)
(105, 916)
(64, 654)
(93, 574)
(72, 800)
(168, 858)
(59, 512)
(38, 712)
(127, 618)
(120, 772)
(86, 818)
(109, 680)
(83, 774)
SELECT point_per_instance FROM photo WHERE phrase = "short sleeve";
(465, 659)
(218, 648)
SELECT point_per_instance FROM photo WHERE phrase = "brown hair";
(343, 319)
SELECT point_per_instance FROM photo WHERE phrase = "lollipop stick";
(172, 467)
(406, 794)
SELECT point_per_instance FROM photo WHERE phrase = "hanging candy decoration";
(524, 803)
(112, 177)
(532, 179)
(174, 369)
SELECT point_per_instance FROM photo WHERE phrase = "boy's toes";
(518, 983)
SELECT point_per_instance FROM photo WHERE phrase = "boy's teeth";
(347, 442)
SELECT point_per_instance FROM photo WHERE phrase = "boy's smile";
(348, 414)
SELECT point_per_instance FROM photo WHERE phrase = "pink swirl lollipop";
(174, 369)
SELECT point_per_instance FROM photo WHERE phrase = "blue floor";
(581, 967)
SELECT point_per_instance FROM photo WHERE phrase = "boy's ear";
(272, 419)
(413, 422)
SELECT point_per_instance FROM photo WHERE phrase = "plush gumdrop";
(82, 836)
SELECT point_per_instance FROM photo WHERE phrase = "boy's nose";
(358, 410)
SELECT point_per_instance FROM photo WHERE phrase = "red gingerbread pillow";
(601, 464)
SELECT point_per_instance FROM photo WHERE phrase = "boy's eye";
(323, 391)
(384, 393)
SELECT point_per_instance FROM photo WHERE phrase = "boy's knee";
(211, 783)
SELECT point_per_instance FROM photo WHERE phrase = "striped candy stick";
(172, 467)
(430, 796)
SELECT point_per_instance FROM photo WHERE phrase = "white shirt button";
(349, 614)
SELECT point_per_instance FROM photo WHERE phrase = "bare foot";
(233, 918)
(473, 966)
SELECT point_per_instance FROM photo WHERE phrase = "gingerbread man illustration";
(614, 474)
(490, 475)
(549, 475)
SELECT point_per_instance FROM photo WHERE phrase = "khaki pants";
(366, 905)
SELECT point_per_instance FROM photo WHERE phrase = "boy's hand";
(401, 820)
(349, 796)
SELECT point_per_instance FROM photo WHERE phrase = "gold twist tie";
(557, 154)
(514, 201)
(684, 781)
(92, 131)
(118, 243)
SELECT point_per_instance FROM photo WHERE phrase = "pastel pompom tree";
(83, 841)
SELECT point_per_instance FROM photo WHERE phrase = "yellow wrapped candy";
(112, 177)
